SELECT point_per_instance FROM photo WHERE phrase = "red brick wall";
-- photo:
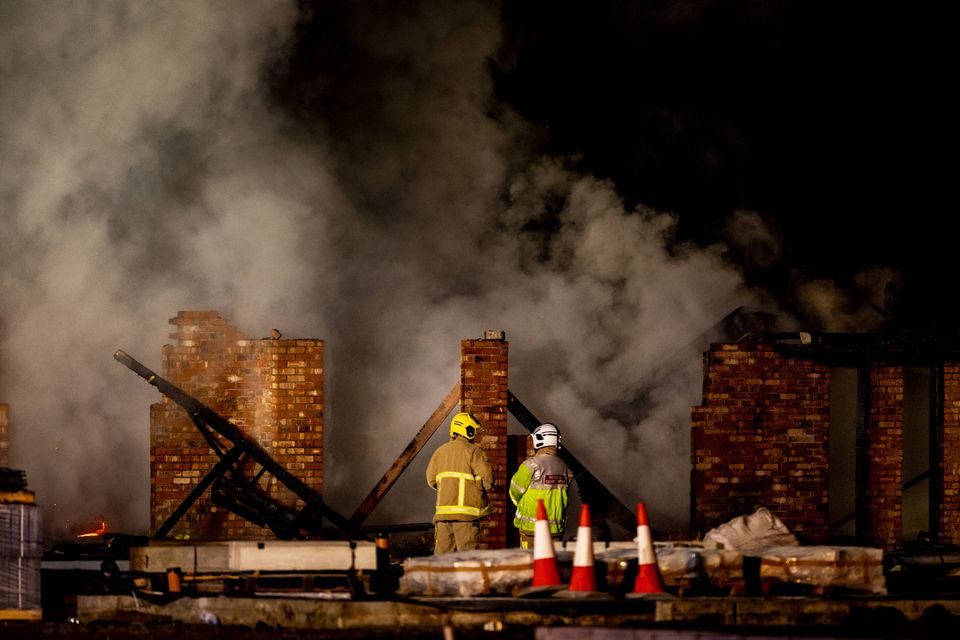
(270, 389)
(483, 392)
(760, 439)
(4, 435)
(949, 461)
(885, 456)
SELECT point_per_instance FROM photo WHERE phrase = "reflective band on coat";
(458, 508)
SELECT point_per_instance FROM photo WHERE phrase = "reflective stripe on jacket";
(541, 477)
(461, 473)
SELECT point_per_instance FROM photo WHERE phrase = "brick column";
(272, 389)
(483, 392)
(4, 435)
(948, 464)
(885, 456)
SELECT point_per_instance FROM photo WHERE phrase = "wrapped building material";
(21, 550)
(854, 568)
(696, 564)
(680, 563)
(468, 573)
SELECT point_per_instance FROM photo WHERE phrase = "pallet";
(21, 614)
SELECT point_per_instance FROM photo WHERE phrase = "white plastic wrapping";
(751, 534)
(682, 563)
(856, 568)
(679, 562)
(468, 573)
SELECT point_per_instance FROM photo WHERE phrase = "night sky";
(834, 121)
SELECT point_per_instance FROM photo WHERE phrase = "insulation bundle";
(468, 573)
(21, 550)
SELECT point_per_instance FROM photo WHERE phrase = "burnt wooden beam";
(405, 458)
(206, 419)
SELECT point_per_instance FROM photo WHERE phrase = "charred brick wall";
(884, 459)
(760, 439)
(4, 435)
(272, 389)
(483, 392)
(948, 464)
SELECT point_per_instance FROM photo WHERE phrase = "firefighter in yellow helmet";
(461, 474)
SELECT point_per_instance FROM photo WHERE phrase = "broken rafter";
(406, 457)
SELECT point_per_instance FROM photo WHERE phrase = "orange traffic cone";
(583, 577)
(649, 579)
(546, 572)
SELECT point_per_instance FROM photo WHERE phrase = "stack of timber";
(21, 548)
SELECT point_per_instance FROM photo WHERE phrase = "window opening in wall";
(842, 446)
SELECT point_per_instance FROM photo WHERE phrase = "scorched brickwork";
(483, 392)
(884, 459)
(948, 464)
(272, 389)
(760, 439)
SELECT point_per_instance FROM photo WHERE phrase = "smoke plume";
(342, 172)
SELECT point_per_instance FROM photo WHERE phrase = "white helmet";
(546, 435)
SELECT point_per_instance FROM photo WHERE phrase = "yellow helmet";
(464, 424)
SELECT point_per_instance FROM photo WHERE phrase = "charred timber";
(910, 348)
(230, 490)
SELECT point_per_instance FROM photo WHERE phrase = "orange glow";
(99, 532)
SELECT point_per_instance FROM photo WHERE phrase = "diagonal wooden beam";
(406, 457)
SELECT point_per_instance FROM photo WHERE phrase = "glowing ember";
(99, 531)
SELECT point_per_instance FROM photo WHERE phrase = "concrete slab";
(311, 613)
(245, 556)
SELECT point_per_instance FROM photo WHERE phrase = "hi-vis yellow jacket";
(461, 473)
(544, 476)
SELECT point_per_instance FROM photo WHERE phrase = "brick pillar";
(760, 439)
(948, 464)
(885, 456)
(271, 389)
(483, 392)
(4, 435)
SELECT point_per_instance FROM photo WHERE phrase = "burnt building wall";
(272, 389)
(948, 458)
(483, 392)
(884, 456)
(761, 437)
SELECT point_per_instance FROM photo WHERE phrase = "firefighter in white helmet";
(460, 472)
(542, 476)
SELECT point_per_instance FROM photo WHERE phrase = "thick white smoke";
(147, 168)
